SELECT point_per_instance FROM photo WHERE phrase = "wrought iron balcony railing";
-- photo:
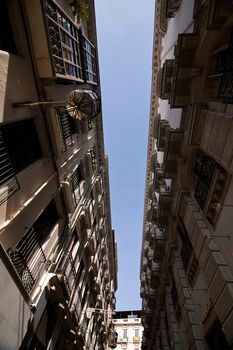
(28, 255)
(66, 127)
(28, 258)
(76, 179)
(8, 180)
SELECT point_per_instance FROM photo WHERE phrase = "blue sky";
(125, 35)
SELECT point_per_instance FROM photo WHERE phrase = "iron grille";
(8, 180)
(76, 178)
(27, 258)
(226, 85)
(66, 129)
(63, 38)
(205, 175)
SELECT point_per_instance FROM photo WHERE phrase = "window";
(22, 143)
(73, 54)
(89, 56)
(136, 332)
(75, 180)
(125, 333)
(7, 41)
(66, 126)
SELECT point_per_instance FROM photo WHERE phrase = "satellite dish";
(82, 104)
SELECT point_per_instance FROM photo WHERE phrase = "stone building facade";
(57, 245)
(186, 260)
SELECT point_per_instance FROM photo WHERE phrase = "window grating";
(8, 179)
(66, 128)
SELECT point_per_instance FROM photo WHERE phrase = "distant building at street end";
(128, 326)
(187, 244)
(58, 255)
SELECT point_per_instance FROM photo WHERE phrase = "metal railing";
(28, 258)
(65, 128)
(8, 180)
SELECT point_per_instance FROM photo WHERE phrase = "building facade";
(129, 329)
(186, 260)
(57, 245)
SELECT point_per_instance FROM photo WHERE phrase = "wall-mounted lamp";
(80, 104)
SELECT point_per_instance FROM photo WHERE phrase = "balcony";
(150, 253)
(172, 6)
(60, 48)
(69, 275)
(153, 161)
(164, 209)
(152, 293)
(151, 190)
(147, 231)
(184, 70)
(163, 127)
(93, 270)
(165, 80)
(77, 185)
(89, 247)
(172, 151)
(143, 279)
(217, 13)
(209, 191)
(160, 240)
(66, 128)
(145, 247)
(103, 247)
(85, 220)
(98, 185)
(152, 212)
(100, 210)
(158, 178)
(136, 339)
(90, 163)
(8, 180)
(29, 256)
(96, 286)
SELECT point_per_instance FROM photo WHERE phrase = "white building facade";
(128, 326)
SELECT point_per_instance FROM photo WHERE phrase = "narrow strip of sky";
(125, 35)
